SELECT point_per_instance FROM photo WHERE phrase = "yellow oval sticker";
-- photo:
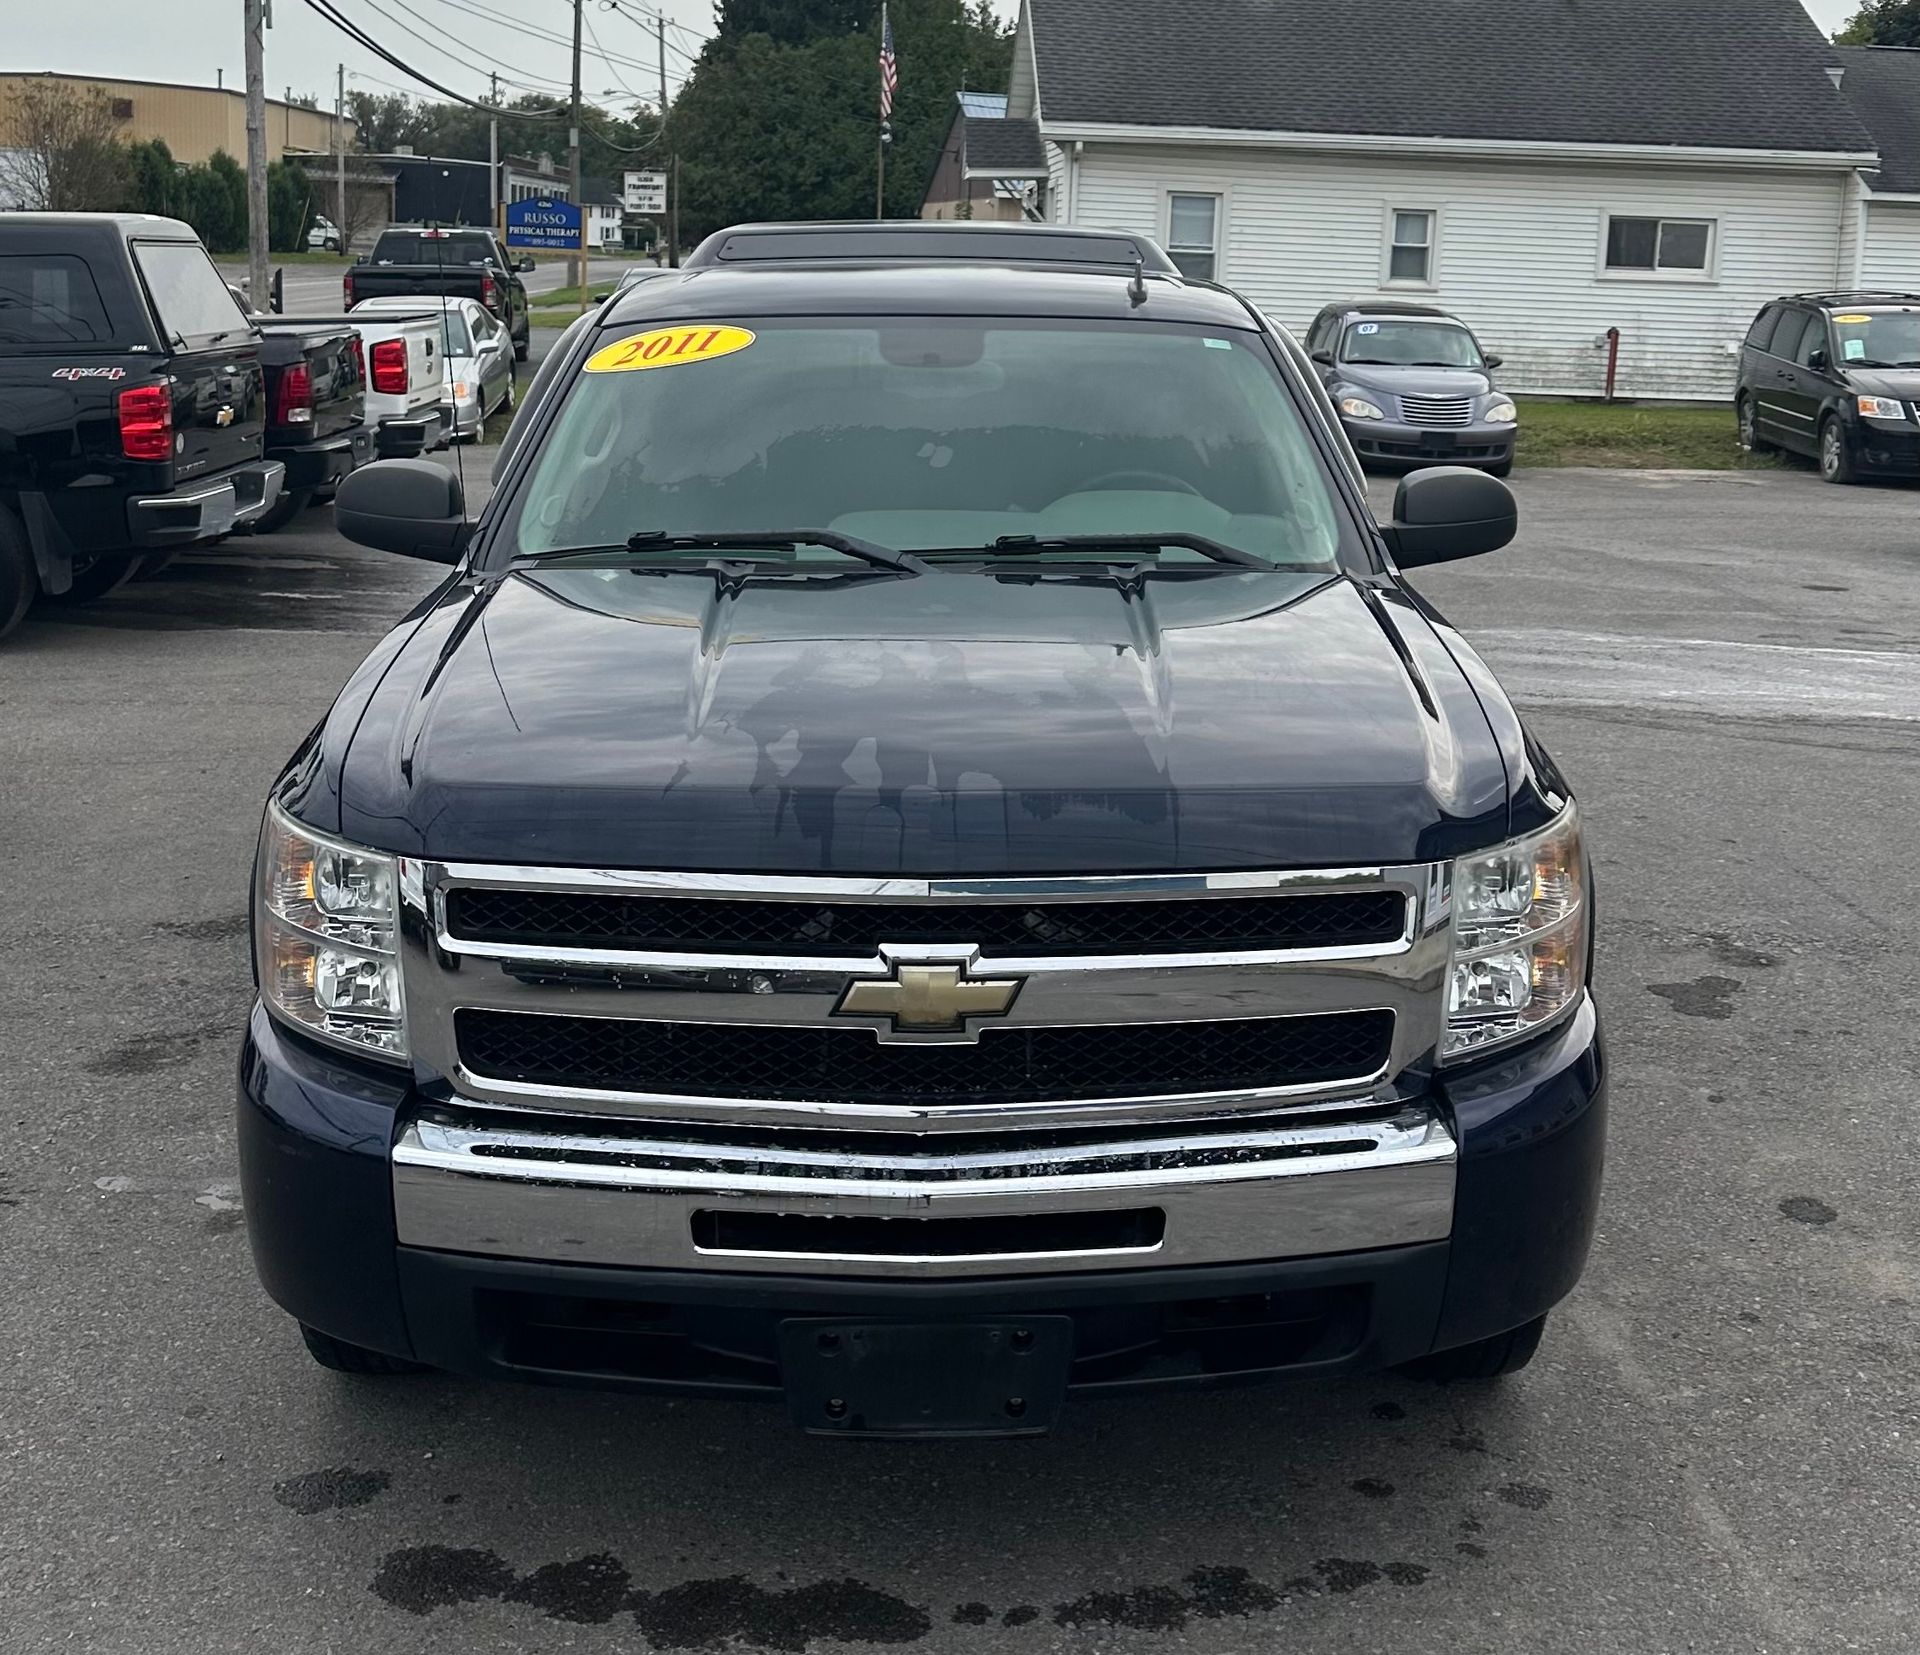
(668, 347)
(1850, 321)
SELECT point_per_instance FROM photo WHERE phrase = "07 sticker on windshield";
(669, 348)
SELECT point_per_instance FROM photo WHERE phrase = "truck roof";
(894, 287)
(128, 225)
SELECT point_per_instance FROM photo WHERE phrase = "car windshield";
(931, 434)
(1411, 344)
(444, 247)
(1878, 338)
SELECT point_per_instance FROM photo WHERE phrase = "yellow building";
(194, 121)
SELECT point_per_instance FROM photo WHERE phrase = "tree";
(288, 202)
(780, 117)
(153, 180)
(60, 148)
(1883, 23)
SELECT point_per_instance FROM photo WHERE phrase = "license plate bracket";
(1439, 442)
(926, 1379)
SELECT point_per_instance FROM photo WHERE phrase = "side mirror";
(526, 264)
(1493, 361)
(1323, 357)
(1817, 361)
(413, 507)
(1440, 513)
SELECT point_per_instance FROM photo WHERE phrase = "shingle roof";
(1733, 74)
(1005, 146)
(1883, 85)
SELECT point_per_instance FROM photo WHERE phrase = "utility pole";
(256, 20)
(673, 162)
(494, 216)
(340, 157)
(573, 149)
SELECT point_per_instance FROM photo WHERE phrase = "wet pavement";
(1718, 1449)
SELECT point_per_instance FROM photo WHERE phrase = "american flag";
(889, 66)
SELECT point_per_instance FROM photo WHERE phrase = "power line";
(640, 19)
(353, 31)
(485, 65)
(502, 20)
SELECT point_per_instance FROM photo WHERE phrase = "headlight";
(1501, 413)
(326, 935)
(1519, 923)
(1359, 408)
(1881, 407)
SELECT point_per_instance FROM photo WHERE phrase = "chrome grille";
(728, 999)
(1436, 410)
(1004, 1065)
(728, 924)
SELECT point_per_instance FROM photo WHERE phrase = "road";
(1718, 1450)
(315, 288)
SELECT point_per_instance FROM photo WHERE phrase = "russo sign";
(542, 222)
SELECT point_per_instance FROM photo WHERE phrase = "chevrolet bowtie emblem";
(929, 998)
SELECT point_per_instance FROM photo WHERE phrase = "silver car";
(476, 359)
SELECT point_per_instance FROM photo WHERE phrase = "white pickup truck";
(403, 379)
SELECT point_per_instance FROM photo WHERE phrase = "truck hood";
(950, 723)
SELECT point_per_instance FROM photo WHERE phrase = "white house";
(1883, 85)
(1546, 169)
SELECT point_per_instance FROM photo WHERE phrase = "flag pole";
(887, 72)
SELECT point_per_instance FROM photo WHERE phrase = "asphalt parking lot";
(1717, 1450)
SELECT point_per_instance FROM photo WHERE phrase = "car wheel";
(292, 502)
(512, 400)
(342, 1357)
(1504, 1353)
(521, 347)
(18, 582)
(1750, 440)
(1836, 461)
(95, 577)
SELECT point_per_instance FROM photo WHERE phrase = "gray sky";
(198, 37)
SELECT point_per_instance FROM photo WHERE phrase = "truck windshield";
(430, 247)
(1411, 345)
(934, 434)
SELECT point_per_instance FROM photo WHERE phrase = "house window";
(1193, 234)
(1410, 252)
(1679, 245)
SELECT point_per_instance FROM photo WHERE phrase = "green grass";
(1645, 436)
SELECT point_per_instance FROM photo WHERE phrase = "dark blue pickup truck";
(925, 861)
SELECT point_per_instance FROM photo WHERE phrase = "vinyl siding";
(1518, 249)
(1054, 208)
(1892, 246)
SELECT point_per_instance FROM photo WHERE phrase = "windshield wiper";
(1218, 550)
(742, 540)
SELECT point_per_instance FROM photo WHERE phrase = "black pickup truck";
(316, 384)
(132, 403)
(902, 872)
(469, 264)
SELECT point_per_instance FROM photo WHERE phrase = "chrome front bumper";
(466, 1184)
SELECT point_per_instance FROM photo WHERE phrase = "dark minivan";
(1835, 376)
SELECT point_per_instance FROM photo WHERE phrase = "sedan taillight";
(146, 422)
(293, 396)
(390, 367)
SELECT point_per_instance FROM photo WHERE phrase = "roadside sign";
(645, 192)
(543, 222)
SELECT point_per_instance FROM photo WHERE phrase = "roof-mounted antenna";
(1137, 288)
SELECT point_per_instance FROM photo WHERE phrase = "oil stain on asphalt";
(1703, 997)
(730, 1610)
(313, 1492)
